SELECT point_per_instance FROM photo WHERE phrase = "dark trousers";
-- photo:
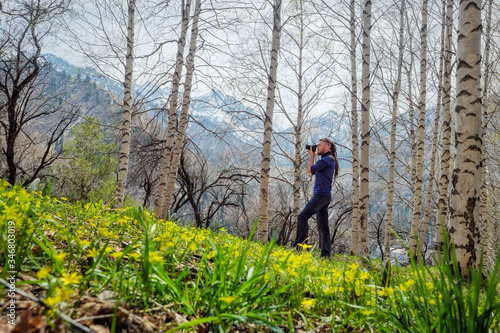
(317, 205)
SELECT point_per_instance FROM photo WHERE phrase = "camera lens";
(313, 147)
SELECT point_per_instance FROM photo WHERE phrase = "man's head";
(324, 146)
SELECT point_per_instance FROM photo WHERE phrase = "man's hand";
(311, 160)
(311, 153)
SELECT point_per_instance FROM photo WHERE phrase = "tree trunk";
(486, 118)
(427, 211)
(395, 96)
(466, 184)
(186, 100)
(127, 108)
(444, 182)
(172, 113)
(354, 130)
(298, 127)
(417, 200)
(11, 139)
(411, 106)
(262, 233)
(364, 249)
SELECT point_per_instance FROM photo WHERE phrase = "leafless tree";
(466, 184)
(25, 98)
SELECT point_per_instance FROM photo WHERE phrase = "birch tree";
(127, 104)
(395, 97)
(417, 202)
(172, 112)
(262, 232)
(186, 100)
(297, 163)
(364, 249)
(445, 132)
(466, 185)
(486, 118)
(354, 130)
(430, 187)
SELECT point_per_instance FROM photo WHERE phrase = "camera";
(313, 147)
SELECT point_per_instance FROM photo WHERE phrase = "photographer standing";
(325, 170)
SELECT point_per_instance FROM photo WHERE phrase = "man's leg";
(323, 228)
(309, 210)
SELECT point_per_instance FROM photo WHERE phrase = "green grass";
(164, 277)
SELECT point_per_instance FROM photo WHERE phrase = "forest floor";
(72, 267)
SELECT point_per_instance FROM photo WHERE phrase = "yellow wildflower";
(308, 303)
(381, 292)
(42, 273)
(84, 243)
(227, 299)
(329, 291)
(60, 256)
(135, 255)
(116, 254)
(93, 252)
(62, 294)
(154, 257)
(51, 301)
(367, 312)
(304, 246)
(72, 278)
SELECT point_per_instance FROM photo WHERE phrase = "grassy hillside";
(92, 268)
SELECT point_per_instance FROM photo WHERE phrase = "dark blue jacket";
(323, 169)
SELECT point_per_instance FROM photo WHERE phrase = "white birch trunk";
(127, 108)
(364, 249)
(417, 201)
(444, 181)
(411, 105)
(427, 211)
(354, 130)
(298, 127)
(263, 226)
(172, 113)
(486, 117)
(395, 96)
(186, 100)
(466, 184)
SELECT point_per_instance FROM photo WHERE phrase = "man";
(325, 170)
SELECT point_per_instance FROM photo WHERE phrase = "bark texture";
(417, 200)
(186, 100)
(364, 249)
(354, 130)
(444, 178)
(395, 96)
(466, 180)
(484, 225)
(172, 112)
(427, 212)
(298, 127)
(127, 107)
(263, 226)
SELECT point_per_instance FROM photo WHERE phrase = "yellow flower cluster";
(101, 225)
